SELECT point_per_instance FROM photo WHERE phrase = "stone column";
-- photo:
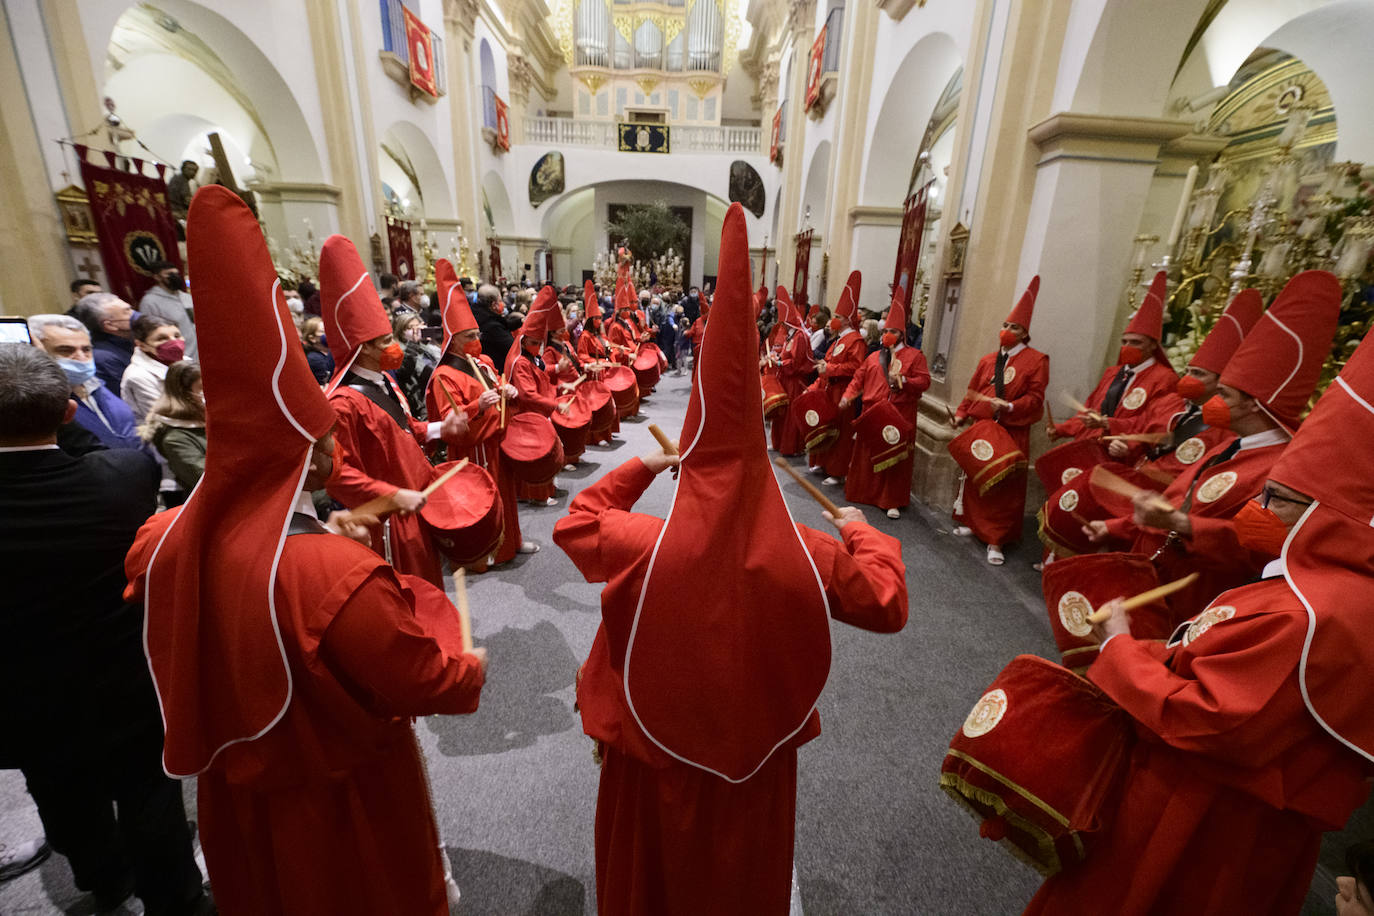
(460, 16)
(802, 24)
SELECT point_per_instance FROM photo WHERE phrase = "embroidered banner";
(132, 221)
(802, 268)
(402, 255)
(421, 54)
(643, 138)
(502, 122)
(494, 260)
(909, 245)
(814, 69)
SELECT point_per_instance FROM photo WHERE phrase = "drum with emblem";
(774, 396)
(1073, 505)
(647, 368)
(464, 517)
(987, 453)
(815, 415)
(532, 448)
(624, 390)
(1076, 587)
(1063, 463)
(573, 427)
(1039, 762)
(886, 434)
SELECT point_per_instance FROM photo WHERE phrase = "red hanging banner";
(132, 221)
(502, 123)
(402, 255)
(494, 260)
(548, 268)
(909, 245)
(421, 54)
(775, 144)
(813, 71)
(803, 267)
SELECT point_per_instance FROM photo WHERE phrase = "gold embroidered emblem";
(986, 713)
(1206, 620)
(1190, 450)
(981, 449)
(1008, 373)
(1135, 399)
(812, 418)
(1069, 474)
(1068, 500)
(839, 348)
(890, 435)
(1216, 486)
(1074, 609)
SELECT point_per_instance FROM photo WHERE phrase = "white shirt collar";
(1132, 370)
(372, 375)
(305, 505)
(88, 388)
(1020, 345)
(1273, 569)
(846, 331)
(901, 345)
(28, 448)
(1275, 436)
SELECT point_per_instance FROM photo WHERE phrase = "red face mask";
(1130, 356)
(836, 324)
(890, 338)
(1191, 388)
(1008, 338)
(1216, 413)
(391, 357)
(171, 351)
(473, 347)
(1260, 529)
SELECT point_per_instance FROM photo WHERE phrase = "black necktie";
(998, 374)
(1188, 425)
(1115, 390)
(1224, 455)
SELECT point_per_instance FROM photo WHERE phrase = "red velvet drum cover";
(1063, 463)
(1039, 761)
(987, 453)
(647, 367)
(532, 448)
(464, 516)
(886, 434)
(624, 389)
(598, 401)
(573, 427)
(815, 414)
(1076, 587)
(774, 396)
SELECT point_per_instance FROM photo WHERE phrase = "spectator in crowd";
(294, 303)
(869, 329)
(386, 288)
(410, 296)
(667, 336)
(181, 189)
(418, 361)
(176, 424)
(168, 299)
(820, 331)
(691, 306)
(99, 410)
(110, 320)
(683, 346)
(80, 717)
(81, 288)
(157, 344)
(574, 323)
(310, 296)
(496, 337)
(316, 350)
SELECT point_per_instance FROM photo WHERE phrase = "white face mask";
(424, 301)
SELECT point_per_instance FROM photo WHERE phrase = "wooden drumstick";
(477, 371)
(503, 400)
(443, 478)
(1151, 438)
(460, 592)
(1144, 598)
(1077, 404)
(664, 442)
(953, 420)
(452, 401)
(809, 487)
(1049, 414)
(1101, 477)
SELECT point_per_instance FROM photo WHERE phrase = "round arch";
(499, 211)
(813, 190)
(910, 98)
(416, 155)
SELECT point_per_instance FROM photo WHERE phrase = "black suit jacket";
(73, 679)
(496, 337)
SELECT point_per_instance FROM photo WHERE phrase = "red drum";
(599, 402)
(987, 453)
(647, 368)
(815, 417)
(774, 397)
(464, 516)
(1039, 762)
(888, 436)
(1063, 463)
(532, 448)
(624, 390)
(1077, 586)
(1076, 503)
(573, 427)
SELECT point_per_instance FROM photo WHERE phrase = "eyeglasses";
(1267, 495)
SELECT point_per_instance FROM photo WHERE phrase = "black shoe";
(17, 859)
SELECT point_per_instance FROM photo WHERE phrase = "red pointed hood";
(848, 306)
(1328, 559)
(896, 314)
(210, 627)
(535, 326)
(723, 687)
(1148, 320)
(788, 313)
(1026, 306)
(454, 311)
(351, 309)
(1221, 344)
(590, 307)
(1280, 360)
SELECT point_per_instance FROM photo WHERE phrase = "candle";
(1177, 227)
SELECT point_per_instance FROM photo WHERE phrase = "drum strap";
(999, 371)
(305, 524)
(1191, 424)
(382, 399)
(1224, 455)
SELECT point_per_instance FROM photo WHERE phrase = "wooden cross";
(88, 267)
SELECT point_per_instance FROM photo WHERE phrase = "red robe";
(590, 347)
(671, 838)
(891, 487)
(846, 354)
(996, 516)
(379, 458)
(329, 811)
(482, 444)
(1148, 386)
(1212, 550)
(794, 365)
(626, 337)
(560, 376)
(536, 395)
(1231, 781)
(1179, 453)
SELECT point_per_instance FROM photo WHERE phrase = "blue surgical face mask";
(472, 298)
(78, 371)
